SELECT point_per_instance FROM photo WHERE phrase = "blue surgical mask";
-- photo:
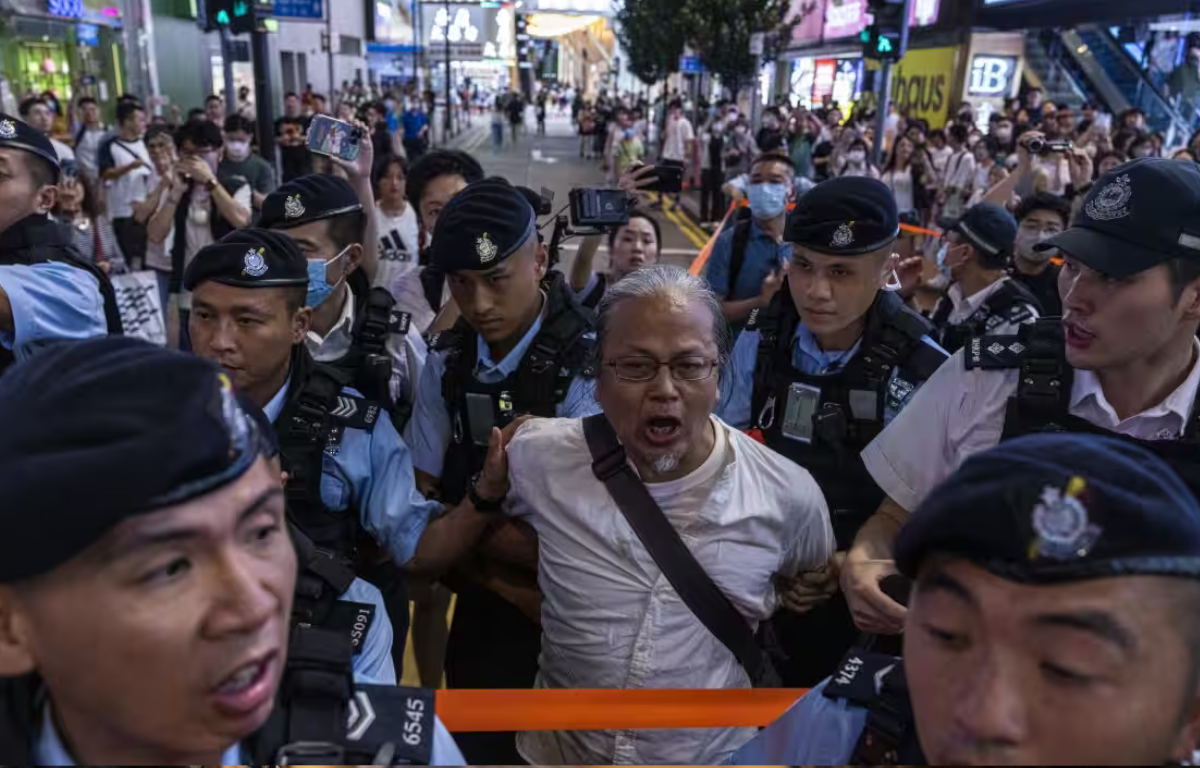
(767, 200)
(319, 289)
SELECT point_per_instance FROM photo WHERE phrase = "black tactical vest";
(367, 364)
(850, 410)
(1043, 398)
(38, 240)
(1012, 303)
(559, 352)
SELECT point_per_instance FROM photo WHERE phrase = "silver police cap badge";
(844, 235)
(8, 129)
(292, 207)
(254, 263)
(1061, 523)
(485, 248)
(1112, 201)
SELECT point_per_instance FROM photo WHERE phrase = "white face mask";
(1027, 239)
(237, 150)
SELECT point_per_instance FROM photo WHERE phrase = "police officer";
(355, 328)
(349, 471)
(46, 290)
(982, 297)
(1122, 359)
(518, 348)
(1053, 622)
(819, 373)
(139, 505)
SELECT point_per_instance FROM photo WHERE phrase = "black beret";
(249, 258)
(307, 199)
(1059, 507)
(101, 430)
(989, 228)
(1137, 216)
(482, 226)
(17, 134)
(846, 216)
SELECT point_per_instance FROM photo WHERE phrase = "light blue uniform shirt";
(763, 256)
(372, 471)
(737, 382)
(814, 731)
(428, 431)
(48, 748)
(51, 300)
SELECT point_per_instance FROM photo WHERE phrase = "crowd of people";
(949, 481)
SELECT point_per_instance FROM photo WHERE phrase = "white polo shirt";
(958, 413)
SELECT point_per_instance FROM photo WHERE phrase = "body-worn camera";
(599, 208)
(1041, 146)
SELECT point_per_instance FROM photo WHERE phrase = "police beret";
(249, 258)
(17, 134)
(101, 430)
(846, 216)
(1136, 216)
(481, 226)
(307, 199)
(1059, 507)
(989, 228)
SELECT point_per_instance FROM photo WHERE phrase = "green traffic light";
(241, 8)
(865, 35)
(885, 45)
(222, 16)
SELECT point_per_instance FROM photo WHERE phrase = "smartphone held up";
(335, 138)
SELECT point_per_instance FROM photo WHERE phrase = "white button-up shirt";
(610, 619)
(962, 307)
(959, 413)
(408, 355)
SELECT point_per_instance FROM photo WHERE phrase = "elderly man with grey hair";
(611, 618)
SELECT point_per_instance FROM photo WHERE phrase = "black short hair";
(295, 296)
(440, 162)
(290, 95)
(381, 168)
(774, 157)
(347, 229)
(86, 100)
(958, 132)
(236, 122)
(201, 133)
(320, 96)
(644, 215)
(127, 109)
(213, 97)
(156, 130)
(1044, 201)
(27, 105)
(1183, 273)
(41, 170)
(195, 113)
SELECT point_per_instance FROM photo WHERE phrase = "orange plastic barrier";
(602, 709)
(702, 258)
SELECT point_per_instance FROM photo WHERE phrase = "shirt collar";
(48, 749)
(275, 407)
(806, 347)
(966, 306)
(1177, 407)
(489, 372)
(345, 322)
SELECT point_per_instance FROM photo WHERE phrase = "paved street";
(552, 161)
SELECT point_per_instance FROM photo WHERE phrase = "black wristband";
(487, 506)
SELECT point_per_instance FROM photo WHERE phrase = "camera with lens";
(1040, 146)
(600, 209)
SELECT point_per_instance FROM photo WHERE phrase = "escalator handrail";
(1146, 84)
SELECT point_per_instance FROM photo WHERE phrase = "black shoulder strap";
(558, 352)
(1044, 386)
(695, 587)
(775, 328)
(592, 299)
(741, 241)
(890, 732)
(1012, 303)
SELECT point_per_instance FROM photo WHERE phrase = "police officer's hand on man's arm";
(805, 591)
(448, 538)
(868, 563)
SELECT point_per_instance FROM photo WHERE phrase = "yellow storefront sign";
(923, 84)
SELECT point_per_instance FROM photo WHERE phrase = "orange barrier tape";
(605, 709)
(919, 230)
(702, 258)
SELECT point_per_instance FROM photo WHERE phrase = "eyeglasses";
(646, 368)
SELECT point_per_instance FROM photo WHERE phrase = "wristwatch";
(211, 184)
(489, 506)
